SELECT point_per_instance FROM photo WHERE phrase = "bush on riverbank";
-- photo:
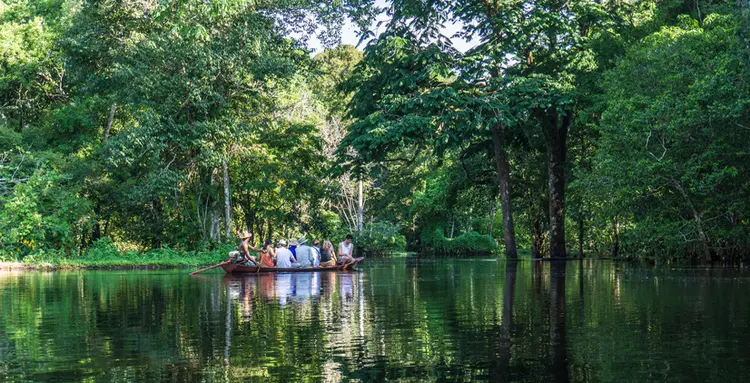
(104, 253)
(466, 243)
(379, 238)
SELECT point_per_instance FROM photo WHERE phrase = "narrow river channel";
(404, 319)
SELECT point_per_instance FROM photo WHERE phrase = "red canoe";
(233, 268)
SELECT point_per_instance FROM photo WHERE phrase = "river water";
(405, 320)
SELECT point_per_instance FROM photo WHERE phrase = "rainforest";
(144, 130)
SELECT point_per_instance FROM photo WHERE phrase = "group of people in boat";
(295, 254)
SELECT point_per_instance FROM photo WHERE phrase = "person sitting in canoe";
(293, 243)
(267, 255)
(346, 251)
(284, 257)
(305, 254)
(316, 251)
(244, 248)
(327, 255)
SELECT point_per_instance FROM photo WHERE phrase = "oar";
(211, 267)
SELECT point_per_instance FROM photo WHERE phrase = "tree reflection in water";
(425, 320)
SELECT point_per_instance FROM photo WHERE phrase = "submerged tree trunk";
(616, 247)
(555, 130)
(581, 231)
(360, 206)
(227, 206)
(504, 345)
(503, 177)
(558, 363)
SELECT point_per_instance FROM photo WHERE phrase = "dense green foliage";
(138, 121)
(612, 128)
(379, 238)
(623, 121)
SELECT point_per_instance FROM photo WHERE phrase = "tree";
(672, 138)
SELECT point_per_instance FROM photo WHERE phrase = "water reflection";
(425, 320)
(282, 288)
(557, 319)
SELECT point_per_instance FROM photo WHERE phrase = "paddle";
(211, 267)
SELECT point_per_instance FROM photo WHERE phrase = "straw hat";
(302, 241)
(293, 242)
(245, 234)
(282, 242)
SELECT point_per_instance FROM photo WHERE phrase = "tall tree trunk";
(492, 215)
(698, 221)
(214, 227)
(110, 119)
(249, 213)
(227, 206)
(97, 232)
(503, 177)
(537, 234)
(158, 224)
(556, 137)
(453, 225)
(360, 206)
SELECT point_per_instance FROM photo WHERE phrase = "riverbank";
(111, 258)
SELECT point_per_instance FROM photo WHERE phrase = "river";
(405, 319)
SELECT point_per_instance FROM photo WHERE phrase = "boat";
(235, 268)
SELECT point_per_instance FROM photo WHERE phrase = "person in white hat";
(293, 243)
(305, 254)
(284, 257)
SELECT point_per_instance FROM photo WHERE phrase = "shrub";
(466, 243)
(379, 238)
(42, 215)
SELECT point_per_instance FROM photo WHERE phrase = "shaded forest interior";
(570, 128)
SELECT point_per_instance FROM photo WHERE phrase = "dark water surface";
(397, 320)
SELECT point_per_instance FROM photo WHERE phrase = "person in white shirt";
(283, 255)
(346, 251)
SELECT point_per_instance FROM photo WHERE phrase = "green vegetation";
(623, 121)
(380, 238)
(615, 129)
(104, 254)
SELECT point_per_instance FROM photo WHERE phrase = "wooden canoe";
(234, 268)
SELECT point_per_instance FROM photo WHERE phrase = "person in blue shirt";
(293, 243)
(305, 254)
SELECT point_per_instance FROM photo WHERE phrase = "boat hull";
(233, 268)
